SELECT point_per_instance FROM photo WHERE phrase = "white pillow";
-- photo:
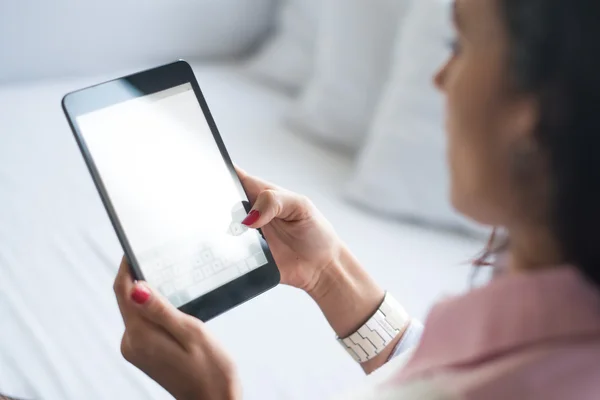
(286, 58)
(62, 37)
(353, 56)
(402, 170)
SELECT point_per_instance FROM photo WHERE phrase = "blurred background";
(329, 98)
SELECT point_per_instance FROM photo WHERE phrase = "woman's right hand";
(301, 240)
(310, 256)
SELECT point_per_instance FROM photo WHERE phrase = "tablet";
(170, 189)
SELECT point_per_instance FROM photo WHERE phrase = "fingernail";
(252, 217)
(140, 294)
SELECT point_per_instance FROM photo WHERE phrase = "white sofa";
(59, 323)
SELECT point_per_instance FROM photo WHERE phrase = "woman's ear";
(523, 119)
(520, 124)
(528, 164)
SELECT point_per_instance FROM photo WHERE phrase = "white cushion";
(286, 59)
(353, 57)
(402, 170)
(62, 37)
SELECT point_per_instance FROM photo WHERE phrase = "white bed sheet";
(59, 323)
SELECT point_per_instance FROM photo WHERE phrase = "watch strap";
(378, 332)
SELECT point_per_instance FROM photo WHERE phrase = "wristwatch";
(378, 332)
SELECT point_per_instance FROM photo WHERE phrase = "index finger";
(123, 286)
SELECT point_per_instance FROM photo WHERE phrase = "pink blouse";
(523, 336)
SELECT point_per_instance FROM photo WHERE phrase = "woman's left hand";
(171, 347)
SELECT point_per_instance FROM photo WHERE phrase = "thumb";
(252, 185)
(156, 308)
(281, 204)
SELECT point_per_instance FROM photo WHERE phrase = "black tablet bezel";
(144, 83)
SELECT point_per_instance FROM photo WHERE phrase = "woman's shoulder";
(559, 371)
(547, 372)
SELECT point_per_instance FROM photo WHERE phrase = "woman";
(523, 104)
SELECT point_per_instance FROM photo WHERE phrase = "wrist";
(227, 387)
(346, 294)
(329, 276)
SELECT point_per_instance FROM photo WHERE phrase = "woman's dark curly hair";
(555, 54)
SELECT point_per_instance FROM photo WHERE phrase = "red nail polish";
(252, 217)
(140, 294)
